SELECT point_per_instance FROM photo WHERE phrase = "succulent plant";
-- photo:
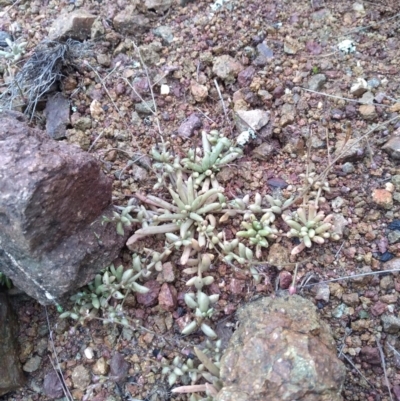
(309, 226)
(113, 283)
(15, 50)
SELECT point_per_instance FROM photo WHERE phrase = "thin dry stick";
(384, 367)
(223, 104)
(104, 86)
(66, 391)
(151, 91)
(357, 370)
(355, 276)
(339, 97)
(322, 176)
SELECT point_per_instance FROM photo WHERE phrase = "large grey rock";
(53, 197)
(11, 375)
(282, 351)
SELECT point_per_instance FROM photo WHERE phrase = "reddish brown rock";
(150, 298)
(53, 198)
(370, 355)
(382, 198)
(281, 347)
(285, 279)
(130, 21)
(167, 297)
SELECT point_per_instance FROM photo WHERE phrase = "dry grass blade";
(384, 367)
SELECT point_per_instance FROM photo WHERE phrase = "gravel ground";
(290, 66)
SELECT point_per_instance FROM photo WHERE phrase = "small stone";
(199, 92)
(89, 354)
(95, 109)
(100, 367)
(167, 298)
(254, 119)
(285, 279)
(52, 385)
(165, 33)
(392, 147)
(291, 46)
(149, 298)
(393, 236)
(167, 273)
(118, 368)
(395, 108)
(57, 115)
(386, 283)
(81, 123)
(145, 107)
(187, 128)
(391, 324)
(129, 21)
(351, 299)
(236, 286)
(378, 308)
(359, 88)
(367, 98)
(278, 256)
(368, 111)
(97, 30)
(164, 89)
(389, 187)
(226, 68)
(81, 377)
(370, 355)
(104, 60)
(245, 76)
(75, 25)
(383, 198)
(348, 168)
(32, 364)
(264, 151)
(316, 82)
(322, 292)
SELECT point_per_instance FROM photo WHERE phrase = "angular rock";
(53, 197)
(75, 25)
(165, 33)
(316, 82)
(129, 21)
(150, 297)
(11, 375)
(118, 368)
(167, 298)
(281, 352)
(254, 119)
(391, 324)
(359, 88)
(382, 198)
(226, 68)
(349, 150)
(392, 147)
(57, 116)
(199, 92)
(187, 128)
(368, 111)
(159, 6)
(81, 377)
(52, 385)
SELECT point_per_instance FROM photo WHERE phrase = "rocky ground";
(278, 57)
